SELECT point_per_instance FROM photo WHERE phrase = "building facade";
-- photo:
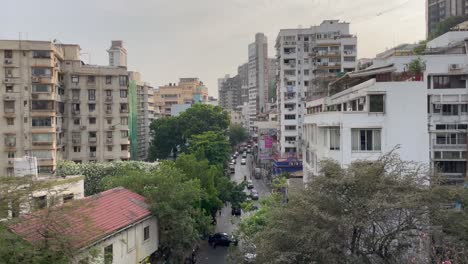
(257, 77)
(117, 54)
(187, 91)
(230, 93)
(438, 10)
(308, 59)
(243, 72)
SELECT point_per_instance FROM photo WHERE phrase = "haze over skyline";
(169, 39)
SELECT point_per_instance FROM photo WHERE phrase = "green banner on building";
(133, 119)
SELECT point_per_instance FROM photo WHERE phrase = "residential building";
(244, 110)
(116, 224)
(187, 91)
(212, 101)
(236, 117)
(243, 72)
(257, 77)
(438, 10)
(117, 54)
(98, 112)
(308, 59)
(369, 112)
(272, 75)
(230, 93)
(146, 115)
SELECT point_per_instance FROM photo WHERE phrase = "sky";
(169, 39)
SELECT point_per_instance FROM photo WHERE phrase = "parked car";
(232, 170)
(250, 184)
(236, 211)
(234, 161)
(254, 194)
(243, 161)
(249, 150)
(222, 239)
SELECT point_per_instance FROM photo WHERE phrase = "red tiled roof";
(85, 221)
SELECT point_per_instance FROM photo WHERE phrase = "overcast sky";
(168, 39)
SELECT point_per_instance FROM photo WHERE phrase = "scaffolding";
(133, 119)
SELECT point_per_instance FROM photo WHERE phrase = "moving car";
(234, 161)
(222, 239)
(254, 194)
(250, 184)
(258, 173)
(244, 155)
(243, 161)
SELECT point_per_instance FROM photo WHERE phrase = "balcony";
(76, 141)
(92, 154)
(456, 144)
(124, 111)
(108, 98)
(92, 140)
(76, 98)
(75, 112)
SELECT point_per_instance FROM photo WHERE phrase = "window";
(76, 149)
(449, 82)
(123, 108)
(11, 155)
(41, 71)
(9, 88)
(108, 107)
(290, 127)
(451, 139)
(91, 79)
(9, 106)
(108, 79)
(334, 139)
(123, 80)
(123, 147)
(92, 120)
(76, 121)
(146, 233)
(10, 140)
(92, 134)
(123, 93)
(109, 121)
(10, 121)
(108, 92)
(40, 202)
(8, 72)
(41, 88)
(124, 121)
(350, 59)
(366, 139)
(451, 166)
(44, 54)
(42, 138)
(306, 72)
(290, 138)
(124, 133)
(42, 154)
(68, 197)
(92, 149)
(75, 79)
(41, 121)
(91, 94)
(8, 54)
(376, 103)
(91, 107)
(109, 134)
(42, 105)
(290, 117)
(109, 148)
(108, 254)
(449, 109)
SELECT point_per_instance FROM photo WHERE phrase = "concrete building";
(230, 93)
(212, 101)
(187, 91)
(370, 111)
(114, 226)
(243, 72)
(145, 112)
(308, 59)
(257, 77)
(97, 113)
(272, 79)
(117, 54)
(438, 10)
(236, 117)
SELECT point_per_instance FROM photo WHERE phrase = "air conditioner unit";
(453, 67)
(437, 106)
(8, 61)
(35, 96)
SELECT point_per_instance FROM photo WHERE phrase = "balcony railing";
(92, 140)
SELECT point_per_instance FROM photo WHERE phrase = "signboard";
(268, 142)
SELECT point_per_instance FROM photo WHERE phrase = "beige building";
(56, 107)
(187, 91)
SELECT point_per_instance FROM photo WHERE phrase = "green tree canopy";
(167, 135)
(237, 134)
(201, 118)
(214, 146)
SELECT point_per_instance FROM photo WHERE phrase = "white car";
(243, 161)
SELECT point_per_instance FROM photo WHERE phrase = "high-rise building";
(117, 54)
(230, 93)
(243, 72)
(188, 91)
(308, 59)
(257, 77)
(438, 10)
(272, 68)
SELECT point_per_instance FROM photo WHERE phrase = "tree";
(214, 146)
(371, 212)
(167, 137)
(445, 25)
(237, 134)
(174, 200)
(201, 118)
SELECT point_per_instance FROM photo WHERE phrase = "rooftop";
(87, 220)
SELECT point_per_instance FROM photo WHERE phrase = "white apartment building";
(257, 77)
(117, 54)
(307, 57)
(373, 110)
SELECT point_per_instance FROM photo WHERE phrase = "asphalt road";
(225, 222)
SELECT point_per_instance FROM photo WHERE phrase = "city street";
(225, 222)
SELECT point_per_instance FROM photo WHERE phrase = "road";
(225, 222)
